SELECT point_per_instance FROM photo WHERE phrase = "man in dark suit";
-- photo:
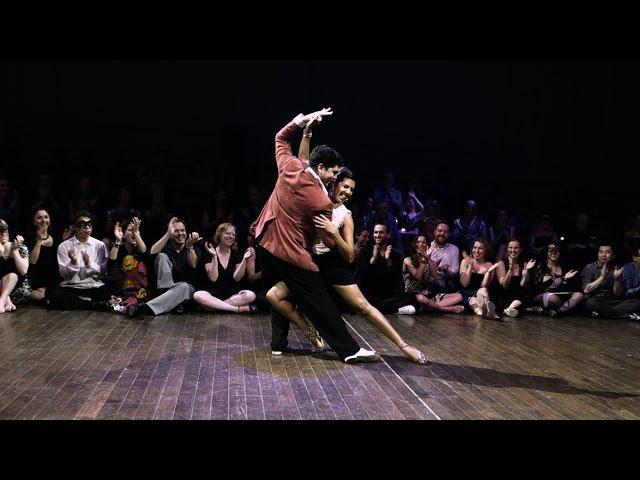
(286, 232)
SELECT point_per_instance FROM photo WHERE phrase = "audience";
(389, 194)
(581, 244)
(468, 228)
(500, 233)
(554, 292)
(43, 251)
(602, 285)
(514, 278)
(476, 275)
(14, 264)
(631, 276)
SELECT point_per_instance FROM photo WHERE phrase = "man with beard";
(446, 256)
(176, 270)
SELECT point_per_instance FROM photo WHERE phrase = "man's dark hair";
(606, 242)
(325, 155)
(80, 213)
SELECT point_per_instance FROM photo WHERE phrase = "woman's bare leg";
(213, 304)
(356, 300)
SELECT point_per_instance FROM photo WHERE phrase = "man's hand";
(172, 222)
(617, 272)
(192, 239)
(85, 258)
(387, 252)
(73, 256)
(603, 270)
(319, 114)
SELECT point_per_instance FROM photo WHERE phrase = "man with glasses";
(82, 261)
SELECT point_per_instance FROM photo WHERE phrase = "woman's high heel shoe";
(315, 339)
(421, 360)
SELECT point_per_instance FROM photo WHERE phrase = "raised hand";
(312, 123)
(172, 222)
(117, 232)
(85, 258)
(73, 255)
(211, 249)
(617, 272)
(17, 242)
(387, 252)
(135, 225)
(603, 270)
(493, 267)
(319, 113)
(530, 264)
(192, 239)
(248, 253)
(323, 222)
(570, 274)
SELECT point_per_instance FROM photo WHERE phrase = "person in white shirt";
(82, 262)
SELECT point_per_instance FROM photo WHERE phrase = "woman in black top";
(513, 276)
(476, 274)
(222, 291)
(14, 264)
(43, 251)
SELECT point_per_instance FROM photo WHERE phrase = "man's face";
(179, 233)
(380, 234)
(363, 238)
(4, 187)
(327, 175)
(605, 254)
(441, 234)
(382, 209)
(470, 208)
(636, 257)
(83, 228)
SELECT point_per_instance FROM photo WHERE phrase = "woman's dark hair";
(415, 260)
(325, 155)
(344, 173)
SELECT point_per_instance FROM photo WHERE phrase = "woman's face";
(228, 238)
(343, 190)
(553, 252)
(513, 249)
(478, 251)
(363, 238)
(128, 235)
(421, 243)
(41, 220)
(4, 232)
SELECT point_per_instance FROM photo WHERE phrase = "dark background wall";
(557, 132)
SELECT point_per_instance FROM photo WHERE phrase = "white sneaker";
(276, 353)
(363, 356)
(407, 310)
(511, 312)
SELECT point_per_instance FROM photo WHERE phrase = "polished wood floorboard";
(94, 365)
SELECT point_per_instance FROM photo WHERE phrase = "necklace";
(45, 238)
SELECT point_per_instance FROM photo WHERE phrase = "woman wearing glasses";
(14, 263)
(555, 293)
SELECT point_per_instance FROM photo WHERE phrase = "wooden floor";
(94, 365)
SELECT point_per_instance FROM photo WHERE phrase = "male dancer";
(286, 233)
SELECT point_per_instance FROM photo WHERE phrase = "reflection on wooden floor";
(94, 365)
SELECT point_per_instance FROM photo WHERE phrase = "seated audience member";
(581, 245)
(379, 270)
(389, 194)
(417, 271)
(476, 275)
(468, 227)
(430, 220)
(158, 213)
(14, 263)
(554, 291)
(82, 262)
(362, 240)
(127, 266)
(446, 256)
(223, 291)
(175, 265)
(514, 278)
(500, 233)
(631, 276)
(9, 202)
(123, 212)
(43, 254)
(383, 216)
(365, 216)
(602, 284)
(542, 235)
